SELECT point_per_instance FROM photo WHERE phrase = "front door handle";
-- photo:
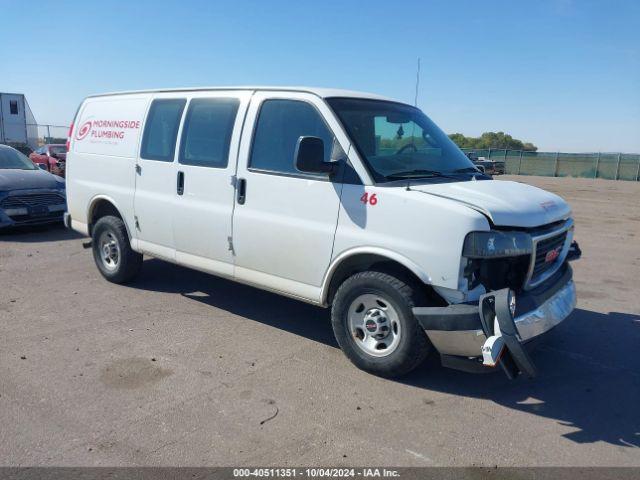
(241, 188)
(180, 183)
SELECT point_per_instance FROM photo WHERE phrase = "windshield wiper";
(418, 173)
(467, 170)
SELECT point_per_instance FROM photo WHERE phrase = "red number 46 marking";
(370, 199)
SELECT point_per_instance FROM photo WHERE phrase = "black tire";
(413, 345)
(129, 262)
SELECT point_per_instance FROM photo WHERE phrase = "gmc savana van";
(337, 198)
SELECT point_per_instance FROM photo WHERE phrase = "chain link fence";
(47, 134)
(613, 166)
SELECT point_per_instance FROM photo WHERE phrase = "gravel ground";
(182, 368)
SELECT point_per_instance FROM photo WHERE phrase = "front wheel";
(374, 325)
(112, 250)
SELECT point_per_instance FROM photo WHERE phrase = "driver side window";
(280, 124)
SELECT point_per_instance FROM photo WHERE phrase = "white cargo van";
(337, 198)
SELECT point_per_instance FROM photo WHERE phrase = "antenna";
(415, 103)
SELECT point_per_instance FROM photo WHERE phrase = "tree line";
(492, 140)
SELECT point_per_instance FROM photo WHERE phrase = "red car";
(51, 157)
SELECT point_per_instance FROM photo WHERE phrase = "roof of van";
(320, 92)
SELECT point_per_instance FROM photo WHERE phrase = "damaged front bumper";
(463, 333)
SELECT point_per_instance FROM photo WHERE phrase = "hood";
(509, 204)
(11, 179)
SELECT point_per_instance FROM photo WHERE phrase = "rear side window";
(207, 132)
(280, 124)
(161, 129)
(13, 107)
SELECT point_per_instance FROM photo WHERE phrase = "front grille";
(32, 200)
(551, 237)
(543, 248)
(46, 218)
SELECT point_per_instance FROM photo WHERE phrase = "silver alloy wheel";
(109, 249)
(374, 325)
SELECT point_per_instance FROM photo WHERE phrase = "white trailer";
(17, 123)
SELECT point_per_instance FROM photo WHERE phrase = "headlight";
(495, 244)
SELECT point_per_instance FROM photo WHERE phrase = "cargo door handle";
(241, 188)
(180, 183)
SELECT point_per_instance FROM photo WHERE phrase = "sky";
(563, 74)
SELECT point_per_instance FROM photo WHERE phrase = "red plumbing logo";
(84, 130)
(111, 130)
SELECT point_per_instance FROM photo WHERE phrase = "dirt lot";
(182, 368)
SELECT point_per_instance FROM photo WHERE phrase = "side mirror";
(42, 166)
(309, 156)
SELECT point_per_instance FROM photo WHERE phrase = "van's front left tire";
(374, 324)
(112, 250)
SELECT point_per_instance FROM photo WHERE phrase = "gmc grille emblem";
(552, 255)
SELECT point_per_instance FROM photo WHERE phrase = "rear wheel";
(374, 325)
(112, 250)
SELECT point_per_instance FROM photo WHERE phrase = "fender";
(382, 252)
(107, 198)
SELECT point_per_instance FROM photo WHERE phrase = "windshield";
(10, 158)
(57, 149)
(399, 141)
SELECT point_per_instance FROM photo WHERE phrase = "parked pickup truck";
(341, 199)
(490, 167)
